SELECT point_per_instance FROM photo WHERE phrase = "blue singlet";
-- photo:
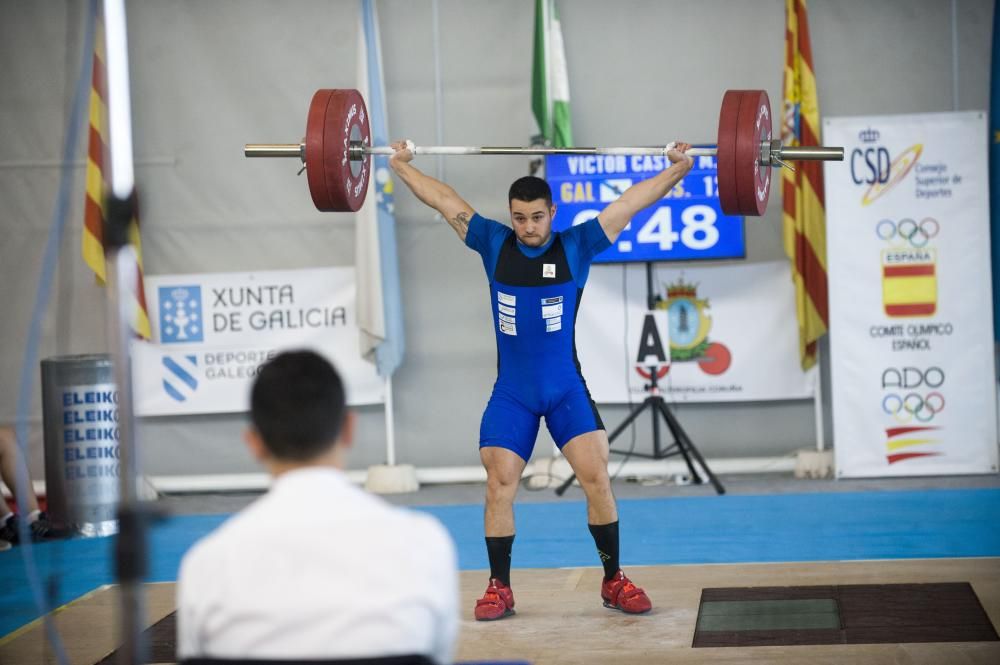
(535, 294)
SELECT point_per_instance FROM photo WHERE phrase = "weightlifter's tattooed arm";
(460, 223)
(431, 191)
(645, 193)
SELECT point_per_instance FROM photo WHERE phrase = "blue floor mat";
(711, 529)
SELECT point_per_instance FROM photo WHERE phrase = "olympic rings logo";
(906, 408)
(908, 230)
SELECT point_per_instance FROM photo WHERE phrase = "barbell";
(336, 151)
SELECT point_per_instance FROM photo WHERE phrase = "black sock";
(498, 550)
(606, 539)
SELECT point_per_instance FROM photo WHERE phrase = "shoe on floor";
(39, 530)
(496, 603)
(620, 594)
(9, 530)
(43, 529)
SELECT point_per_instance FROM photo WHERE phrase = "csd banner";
(211, 332)
(730, 331)
(908, 260)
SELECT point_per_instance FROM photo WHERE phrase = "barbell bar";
(337, 153)
(356, 151)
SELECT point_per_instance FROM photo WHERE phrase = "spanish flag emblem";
(909, 282)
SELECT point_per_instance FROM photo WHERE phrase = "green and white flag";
(549, 81)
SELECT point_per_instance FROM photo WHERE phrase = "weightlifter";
(536, 279)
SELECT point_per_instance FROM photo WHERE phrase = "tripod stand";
(654, 401)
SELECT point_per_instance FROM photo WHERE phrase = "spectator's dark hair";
(297, 404)
(530, 188)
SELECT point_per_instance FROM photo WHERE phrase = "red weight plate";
(314, 149)
(726, 156)
(346, 120)
(753, 181)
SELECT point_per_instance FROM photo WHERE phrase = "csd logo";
(870, 166)
(873, 165)
(909, 378)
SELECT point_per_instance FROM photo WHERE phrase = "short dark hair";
(530, 188)
(297, 404)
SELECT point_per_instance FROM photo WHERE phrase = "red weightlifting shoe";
(619, 593)
(496, 603)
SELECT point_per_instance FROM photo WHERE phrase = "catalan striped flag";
(804, 217)
(97, 187)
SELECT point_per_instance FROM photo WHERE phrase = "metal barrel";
(80, 425)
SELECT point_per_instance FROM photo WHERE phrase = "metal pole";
(122, 274)
(515, 150)
(954, 55)
(438, 88)
(119, 100)
(357, 152)
(390, 429)
(810, 153)
(130, 543)
(275, 150)
(818, 401)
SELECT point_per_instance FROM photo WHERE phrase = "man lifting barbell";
(536, 280)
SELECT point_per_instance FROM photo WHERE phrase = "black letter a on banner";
(650, 343)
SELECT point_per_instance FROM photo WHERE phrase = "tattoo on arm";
(460, 223)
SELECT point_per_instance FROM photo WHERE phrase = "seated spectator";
(38, 525)
(317, 568)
